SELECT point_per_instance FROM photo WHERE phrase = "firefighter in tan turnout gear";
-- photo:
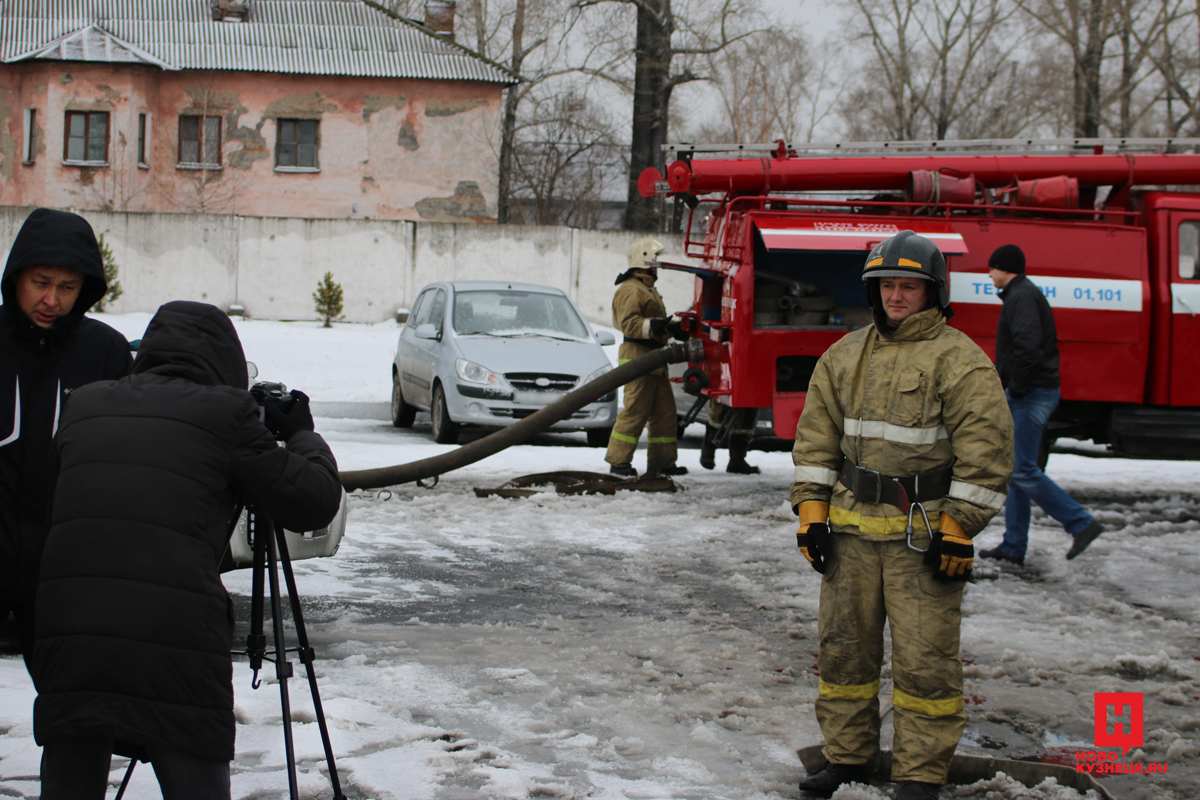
(639, 313)
(904, 429)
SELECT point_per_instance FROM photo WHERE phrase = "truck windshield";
(513, 313)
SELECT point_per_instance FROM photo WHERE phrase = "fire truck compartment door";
(1185, 308)
(786, 234)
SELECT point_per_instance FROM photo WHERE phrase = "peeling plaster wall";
(271, 265)
(388, 148)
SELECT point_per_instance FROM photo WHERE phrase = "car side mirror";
(426, 331)
(605, 338)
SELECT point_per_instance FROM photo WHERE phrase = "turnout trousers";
(648, 401)
(866, 584)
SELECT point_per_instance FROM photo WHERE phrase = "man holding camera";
(133, 624)
(48, 349)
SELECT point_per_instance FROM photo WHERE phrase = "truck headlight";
(471, 372)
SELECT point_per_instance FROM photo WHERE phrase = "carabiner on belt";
(908, 530)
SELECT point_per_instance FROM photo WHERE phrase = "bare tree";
(663, 50)
(563, 162)
(770, 85)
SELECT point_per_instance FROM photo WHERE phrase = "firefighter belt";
(868, 583)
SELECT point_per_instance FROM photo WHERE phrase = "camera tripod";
(270, 551)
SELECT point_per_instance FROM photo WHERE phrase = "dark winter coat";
(133, 623)
(39, 368)
(1026, 339)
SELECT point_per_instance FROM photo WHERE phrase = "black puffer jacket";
(133, 632)
(1026, 339)
(39, 369)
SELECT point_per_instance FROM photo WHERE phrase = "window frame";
(296, 143)
(87, 125)
(201, 142)
(143, 141)
(29, 151)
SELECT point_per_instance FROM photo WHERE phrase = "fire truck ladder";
(781, 149)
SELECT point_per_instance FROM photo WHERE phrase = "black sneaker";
(673, 470)
(918, 790)
(1000, 555)
(1083, 539)
(826, 780)
(624, 471)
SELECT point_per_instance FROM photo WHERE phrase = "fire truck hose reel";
(691, 350)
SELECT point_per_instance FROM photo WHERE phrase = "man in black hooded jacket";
(133, 631)
(48, 349)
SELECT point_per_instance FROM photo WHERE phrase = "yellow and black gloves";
(951, 553)
(813, 537)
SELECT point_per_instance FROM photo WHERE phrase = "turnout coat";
(922, 399)
(133, 623)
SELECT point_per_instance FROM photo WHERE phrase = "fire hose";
(692, 350)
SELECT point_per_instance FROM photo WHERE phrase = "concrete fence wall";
(272, 265)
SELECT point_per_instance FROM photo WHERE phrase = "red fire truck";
(1109, 235)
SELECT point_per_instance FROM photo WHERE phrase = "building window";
(296, 144)
(30, 152)
(199, 141)
(86, 141)
(143, 141)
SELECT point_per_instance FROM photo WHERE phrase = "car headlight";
(471, 372)
(595, 375)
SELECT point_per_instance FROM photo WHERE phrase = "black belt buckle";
(867, 484)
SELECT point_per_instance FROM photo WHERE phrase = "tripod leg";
(283, 667)
(256, 642)
(125, 780)
(307, 657)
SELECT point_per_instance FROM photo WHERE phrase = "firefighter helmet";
(908, 255)
(643, 251)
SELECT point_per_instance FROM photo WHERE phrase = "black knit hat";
(1008, 258)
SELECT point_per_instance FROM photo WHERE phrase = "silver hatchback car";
(492, 353)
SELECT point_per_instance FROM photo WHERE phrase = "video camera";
(301, 544)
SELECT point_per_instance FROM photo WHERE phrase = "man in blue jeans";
(1027, 360)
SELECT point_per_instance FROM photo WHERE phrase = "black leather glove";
(675, 329)
(658, 326)
(287, 422)
(814, 541)
(951, 553)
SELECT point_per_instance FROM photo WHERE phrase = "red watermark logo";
(1118, 724)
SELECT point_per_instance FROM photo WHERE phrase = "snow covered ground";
(661, 645)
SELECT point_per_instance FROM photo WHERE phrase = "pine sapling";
(110, 276)
(328, 297)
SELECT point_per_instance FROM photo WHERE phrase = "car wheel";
(402, 413)
(598, 437)
(445, 430)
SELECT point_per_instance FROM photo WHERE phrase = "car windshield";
(515, 313)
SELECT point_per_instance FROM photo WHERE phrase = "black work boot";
(826, 780)
(708, 450)
(673, 470)
(918, 790)
(738, 446)
(623, 470)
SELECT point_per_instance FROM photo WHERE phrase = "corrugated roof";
(311, 37)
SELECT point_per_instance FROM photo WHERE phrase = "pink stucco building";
(295, 108)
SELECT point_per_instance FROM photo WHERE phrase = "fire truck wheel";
(598, 437)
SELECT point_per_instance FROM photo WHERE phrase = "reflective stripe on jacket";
(918, 401)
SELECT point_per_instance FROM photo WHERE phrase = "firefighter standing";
(904, 429)
(639, 313)
(740, 432)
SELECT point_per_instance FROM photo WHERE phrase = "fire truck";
(776, 237)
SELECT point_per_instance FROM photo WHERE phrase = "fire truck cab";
(778, 260)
